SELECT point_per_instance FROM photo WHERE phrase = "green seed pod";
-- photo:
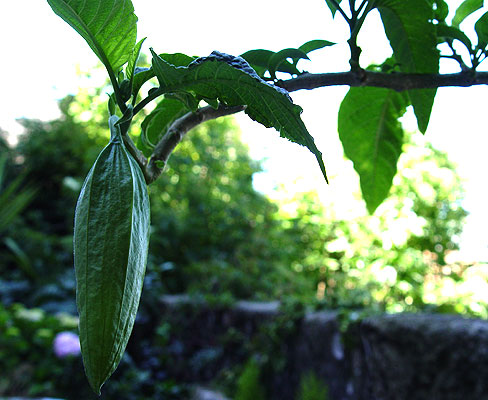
(111, 238)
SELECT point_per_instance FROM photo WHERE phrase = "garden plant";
(112, 224)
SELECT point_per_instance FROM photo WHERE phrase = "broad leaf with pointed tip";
(481, 28)
(372, 137)
(315, 44)
(233, 82)
(408, 26)
(466, 8)
(109, 27)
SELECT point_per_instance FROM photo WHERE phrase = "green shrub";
(248, 384)
(312, 388)
(40, 357)
(39, 353)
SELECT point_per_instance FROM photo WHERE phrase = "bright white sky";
(41, 54)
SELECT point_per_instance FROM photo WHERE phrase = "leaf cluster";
(219, 79)
(419, 33)
(368, 124)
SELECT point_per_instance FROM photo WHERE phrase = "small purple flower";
(66, 344)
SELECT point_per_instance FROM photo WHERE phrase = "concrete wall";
(388, 357)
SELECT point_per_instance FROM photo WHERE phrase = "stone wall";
(388, 357)
(416, 356)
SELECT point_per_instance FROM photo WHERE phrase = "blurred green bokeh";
(215, 237)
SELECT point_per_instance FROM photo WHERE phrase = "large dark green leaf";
(372, 138)
(144, 74)
(108, 26)
(408, 26)
(466, 8)
(481, 28)
(233, 82)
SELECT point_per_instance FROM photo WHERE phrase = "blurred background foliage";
(214, 237)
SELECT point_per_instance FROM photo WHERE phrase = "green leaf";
(466, 8)
(131, 63)
(413, 39)
(453, 33)
(190, 101)
(260, 59)
(277, 59)
(108, 26)
(181, 60)
(14, 200)
(120, 76)
(233, 82)
(481, 28)
(127, 116)
(313, 45)
(372, 136)
(332, 6)
(212, 102)
(156, 124)
(177, 59)
(22, 259)
(441, 10)
(3, 163)
(141, 76)
(143, 145)
(111, 104)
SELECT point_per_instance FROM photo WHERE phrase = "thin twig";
(361, 6)
(175, 134)
(455, 56)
